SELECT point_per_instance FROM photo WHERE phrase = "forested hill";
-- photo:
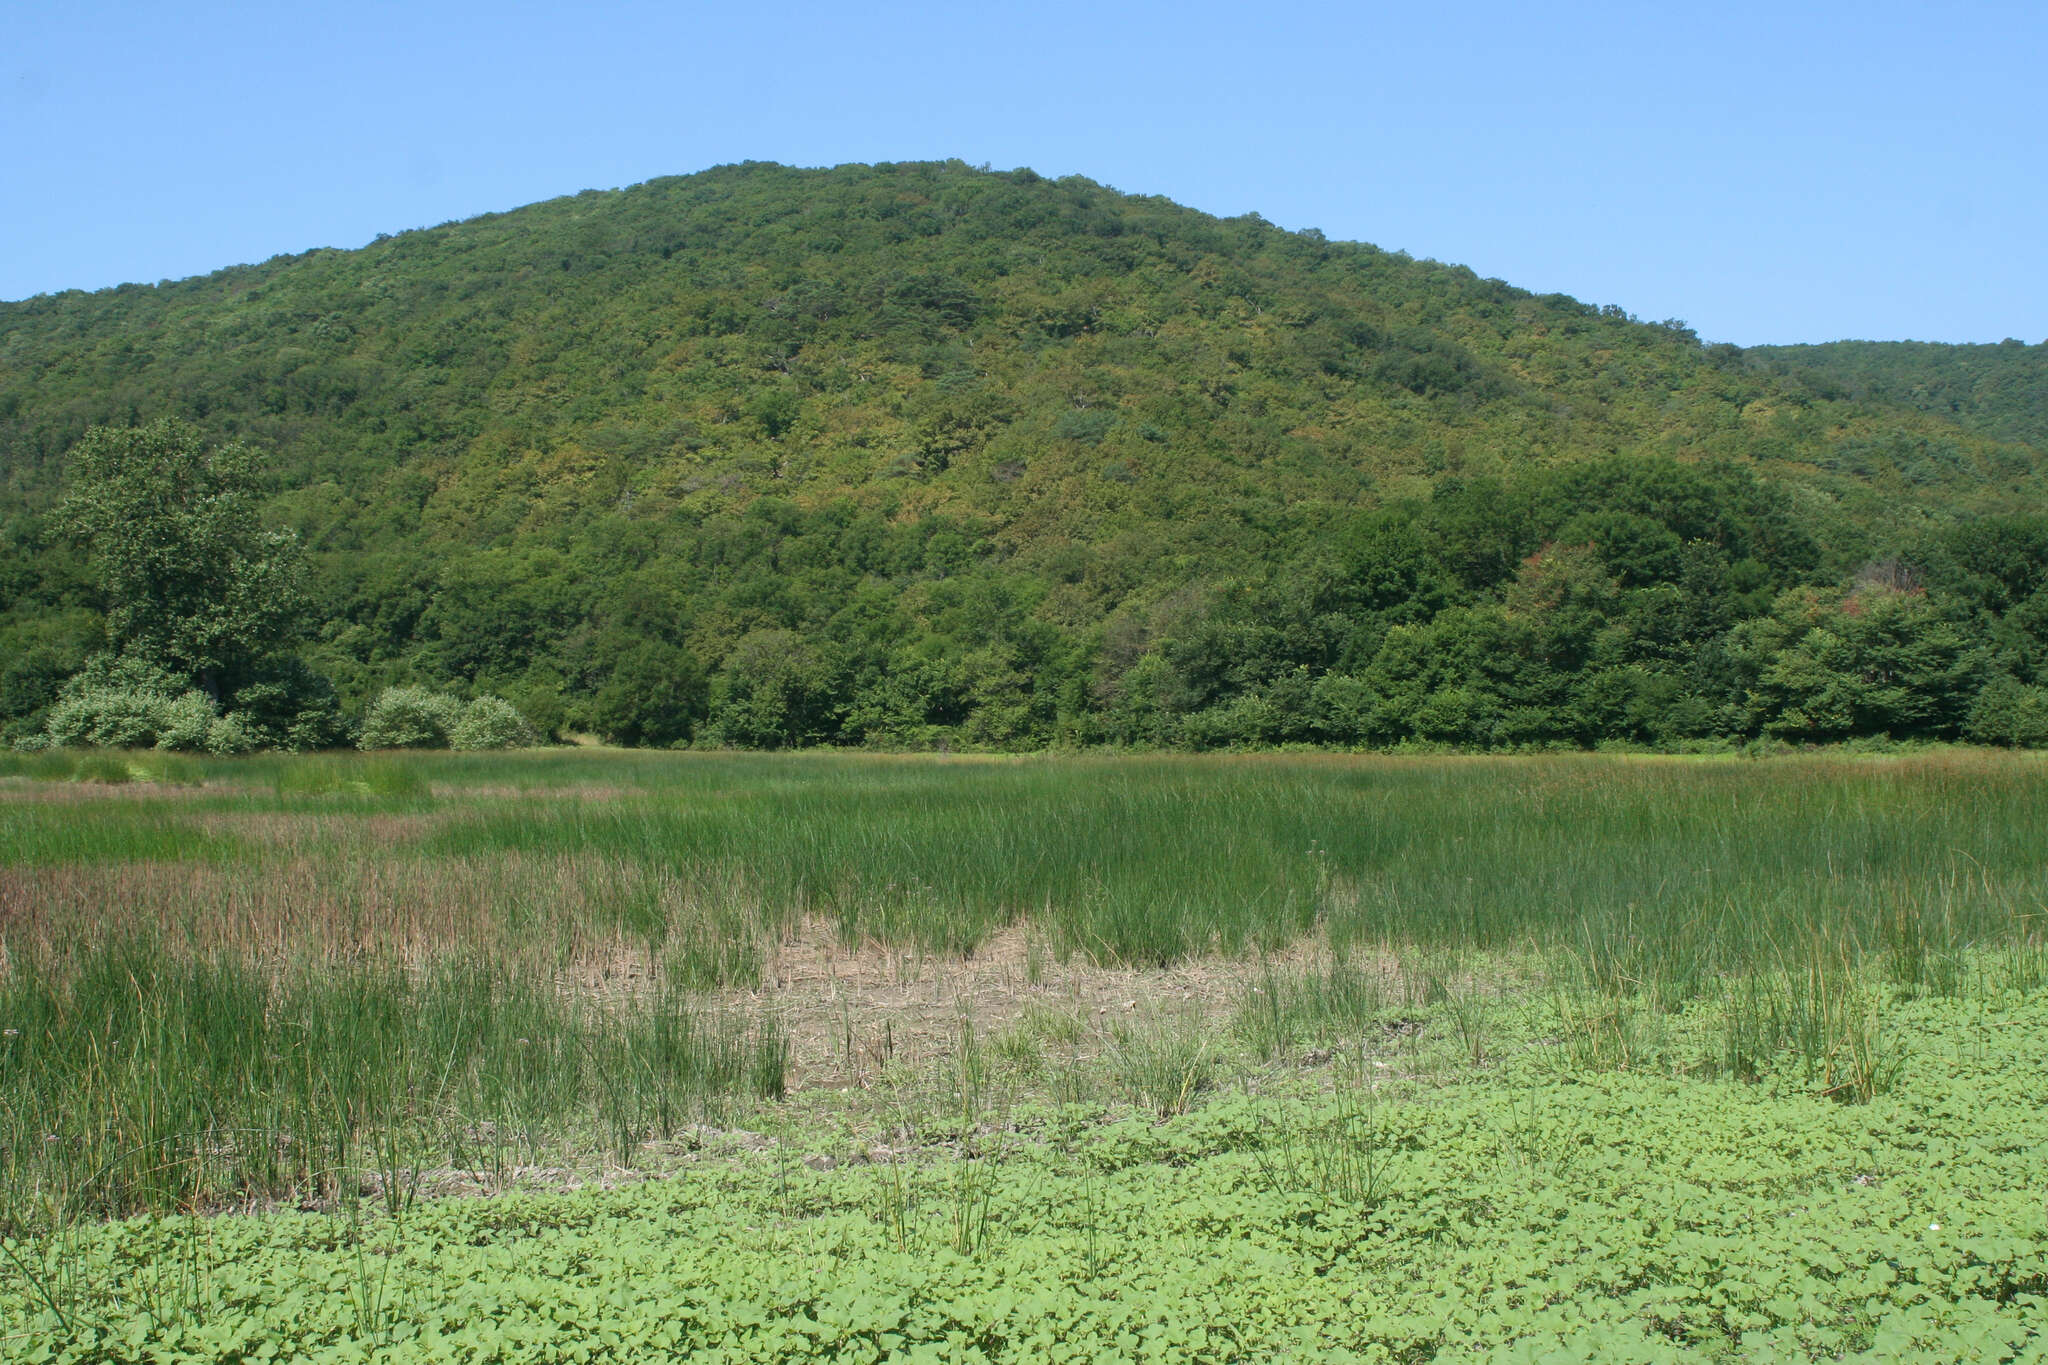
(2000, 391)
(929, 454)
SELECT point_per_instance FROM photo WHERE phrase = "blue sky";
(1782, 172)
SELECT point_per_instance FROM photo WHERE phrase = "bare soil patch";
(851, 1012)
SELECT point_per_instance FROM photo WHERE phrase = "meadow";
(855, 1057)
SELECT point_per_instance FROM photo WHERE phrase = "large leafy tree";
(655, 696)
(193, 583)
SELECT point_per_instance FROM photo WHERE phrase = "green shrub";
(228, 735)
(108, 718)
(2009, 712)
(491, 723)
(540, 700)
(286, 705)
(138, 718)
(124, 703)
(183, 722)
(410, 718)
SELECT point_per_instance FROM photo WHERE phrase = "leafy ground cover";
(1525, 1209)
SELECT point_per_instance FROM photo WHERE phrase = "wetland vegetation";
(1167, 964)
(835, 1056)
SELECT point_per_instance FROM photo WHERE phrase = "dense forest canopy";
(2000, 391)
(921, 454)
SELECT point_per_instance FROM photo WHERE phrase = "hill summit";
(920, 453)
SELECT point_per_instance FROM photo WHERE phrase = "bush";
(2011, 713)
(138, 718)
(227, 736)
(183, 722)
(410, 718)
(286, 705)
(108, 718)
(123, 703)
(539, 699)
(491, 723)
(1243, 722)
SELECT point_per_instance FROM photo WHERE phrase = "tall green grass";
(330, 774)
(337, 948)
(1688, 868)
(136, 1077)
(58, 835)
(1664, 874)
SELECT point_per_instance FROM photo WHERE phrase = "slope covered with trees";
(923, 454)
(2000, 391)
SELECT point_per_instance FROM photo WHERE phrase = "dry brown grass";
(298, 834)
(849, 1009)
(305, 900)
(852, 1012)
(29, 792)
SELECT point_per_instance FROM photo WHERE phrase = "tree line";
(1636, 600)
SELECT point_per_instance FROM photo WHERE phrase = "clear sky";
(1768, 172)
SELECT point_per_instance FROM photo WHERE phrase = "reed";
(135, 1077)
(234, 979)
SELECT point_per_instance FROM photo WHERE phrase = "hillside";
(1999, 391)
(928, 454)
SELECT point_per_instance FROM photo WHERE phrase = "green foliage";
(774, 691)
(1625, 1216)
(2011, 713)
(1999, 390)
(199, 602)
(490, 723)
(922, 456)
(230, 735)
(191, 580)
(185, 722)
(282, 703)
(410, 718)
(113, 718)
(655, 696)
(126, 704)
(37, 655)
(1876, 661)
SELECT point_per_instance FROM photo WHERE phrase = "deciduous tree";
(192, 582)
